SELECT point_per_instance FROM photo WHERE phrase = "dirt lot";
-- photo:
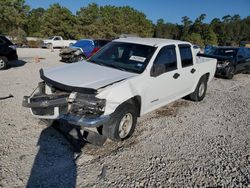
(184, 144)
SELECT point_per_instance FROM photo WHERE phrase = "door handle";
(176, 75)
(193, 70)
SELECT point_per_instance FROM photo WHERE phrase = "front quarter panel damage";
(117, 94)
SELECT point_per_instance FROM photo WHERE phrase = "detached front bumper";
(60, 106)
(45, 106)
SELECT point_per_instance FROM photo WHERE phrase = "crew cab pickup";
(126, 79)
(57, 42)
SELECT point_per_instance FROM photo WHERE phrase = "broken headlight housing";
(85, 104)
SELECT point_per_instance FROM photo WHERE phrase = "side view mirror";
(157, 69)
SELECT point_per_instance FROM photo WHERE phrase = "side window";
(186, 55)
(57, 38)
(167, 57)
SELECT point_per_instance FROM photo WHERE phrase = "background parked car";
(231, 60)
(57, 42)
(7, 52)
(82, 49)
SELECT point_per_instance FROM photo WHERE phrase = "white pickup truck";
(126, 79)
(56, 42)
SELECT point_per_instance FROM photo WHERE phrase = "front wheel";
(200, 90)
(122, 124)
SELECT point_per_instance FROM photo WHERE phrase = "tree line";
(17, 19)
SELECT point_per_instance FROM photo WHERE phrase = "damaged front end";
(84, 110)
(46, 103)
(70, 55)
(222, 66)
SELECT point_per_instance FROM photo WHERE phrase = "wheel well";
(136, 100)
(206, 76)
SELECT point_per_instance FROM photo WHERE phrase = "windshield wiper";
(108, 65)
(95, 62)
(116, 67)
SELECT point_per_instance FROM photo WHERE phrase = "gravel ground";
(184, 144)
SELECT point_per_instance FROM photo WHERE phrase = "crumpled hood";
(69, 50)
(85, 75)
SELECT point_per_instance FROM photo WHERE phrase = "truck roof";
(150, 41)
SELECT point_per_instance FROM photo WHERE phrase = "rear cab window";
(186, 55)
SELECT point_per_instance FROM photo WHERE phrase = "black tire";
(199, 93)
(111, 130)
(230, 71)
(3, 63)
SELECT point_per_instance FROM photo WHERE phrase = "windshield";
(227, 52)
(124, 56)
(50, 38)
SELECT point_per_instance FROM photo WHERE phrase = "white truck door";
(58, 42)
(165, 84)
(188, 70)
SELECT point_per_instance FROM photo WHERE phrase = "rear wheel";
(200, 91)
(123, 122)
(3, 63)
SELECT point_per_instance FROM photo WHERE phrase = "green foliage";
(58, 20)
(195, 38)
(13, 17)
(185, 28)
(111, 21)
(35, 21)
(210, 37)
(166, 30)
